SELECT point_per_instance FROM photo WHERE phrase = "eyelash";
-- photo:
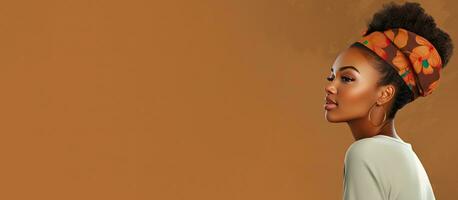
(343, 78)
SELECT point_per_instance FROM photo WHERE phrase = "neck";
(362, 128)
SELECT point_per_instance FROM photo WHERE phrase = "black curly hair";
(410, 16)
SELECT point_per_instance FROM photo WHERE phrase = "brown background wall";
(192, 100)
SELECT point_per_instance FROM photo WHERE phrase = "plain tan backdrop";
(170, 100)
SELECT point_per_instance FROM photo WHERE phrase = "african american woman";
(398, 59)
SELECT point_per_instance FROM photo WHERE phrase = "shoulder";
(366, 149)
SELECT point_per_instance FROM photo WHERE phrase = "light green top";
(384, 168)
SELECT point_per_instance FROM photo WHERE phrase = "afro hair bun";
(411, 16)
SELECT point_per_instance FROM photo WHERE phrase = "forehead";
(354, 57)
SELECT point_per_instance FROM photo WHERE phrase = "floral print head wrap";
(415, 58)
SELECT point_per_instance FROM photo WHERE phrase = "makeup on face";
(351, 87)
(346, 77)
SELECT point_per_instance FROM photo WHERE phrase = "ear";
(386, 94)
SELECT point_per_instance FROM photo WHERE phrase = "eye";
(347, 79)
(329, 78)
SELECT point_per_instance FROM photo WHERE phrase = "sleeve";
(361, 180)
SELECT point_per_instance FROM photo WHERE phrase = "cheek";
(355, 98)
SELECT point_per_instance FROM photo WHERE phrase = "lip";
(330, 106)
(330, 100)
(330, 103)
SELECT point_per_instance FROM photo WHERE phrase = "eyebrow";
(346, 67)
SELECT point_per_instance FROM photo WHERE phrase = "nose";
(330, 88)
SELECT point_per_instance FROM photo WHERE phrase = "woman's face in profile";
(352, 85)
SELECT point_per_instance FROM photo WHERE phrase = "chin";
(331, 117)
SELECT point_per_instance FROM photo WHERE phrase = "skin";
(356, 92)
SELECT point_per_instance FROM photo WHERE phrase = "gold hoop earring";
(384, 117)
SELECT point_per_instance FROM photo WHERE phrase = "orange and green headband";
(414, 57)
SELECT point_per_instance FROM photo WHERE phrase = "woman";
(398, 59)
